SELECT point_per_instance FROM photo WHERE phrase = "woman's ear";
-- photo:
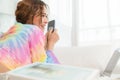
(36, 19)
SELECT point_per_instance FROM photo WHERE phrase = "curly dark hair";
(27, 9)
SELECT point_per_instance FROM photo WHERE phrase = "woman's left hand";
(51, 39)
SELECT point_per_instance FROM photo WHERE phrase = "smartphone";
(51, 24)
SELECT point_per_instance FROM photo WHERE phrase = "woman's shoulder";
(28, 27)
(31, 30)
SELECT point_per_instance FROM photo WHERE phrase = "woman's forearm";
(51, 58)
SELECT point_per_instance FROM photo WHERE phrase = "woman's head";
(32, 12)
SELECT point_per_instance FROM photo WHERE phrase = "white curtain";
(99, 22)
(86, 22)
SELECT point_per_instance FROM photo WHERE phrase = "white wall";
(8, 6)
(7, 14)
(93, 57)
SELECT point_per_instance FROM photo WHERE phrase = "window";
(94, 21)
(99, 21)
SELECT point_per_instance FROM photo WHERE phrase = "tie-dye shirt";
(24, 44)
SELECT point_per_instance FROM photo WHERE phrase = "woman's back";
(19, 46)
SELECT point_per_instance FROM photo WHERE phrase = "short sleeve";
(51, 58)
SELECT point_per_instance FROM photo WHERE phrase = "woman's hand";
(52, 38)
(3, 68)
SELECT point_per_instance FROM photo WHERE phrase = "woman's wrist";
(50, 46)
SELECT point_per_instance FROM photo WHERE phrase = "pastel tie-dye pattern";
(24, 44)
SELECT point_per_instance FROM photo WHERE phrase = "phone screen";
(51, 24)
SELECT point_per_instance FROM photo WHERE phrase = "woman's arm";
(51, 39)
(3, 68)
(37, 49)
(51, 58)
(36, 45)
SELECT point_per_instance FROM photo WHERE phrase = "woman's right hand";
(3, 68)
(52, 38)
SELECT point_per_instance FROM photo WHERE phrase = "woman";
(25, 42)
